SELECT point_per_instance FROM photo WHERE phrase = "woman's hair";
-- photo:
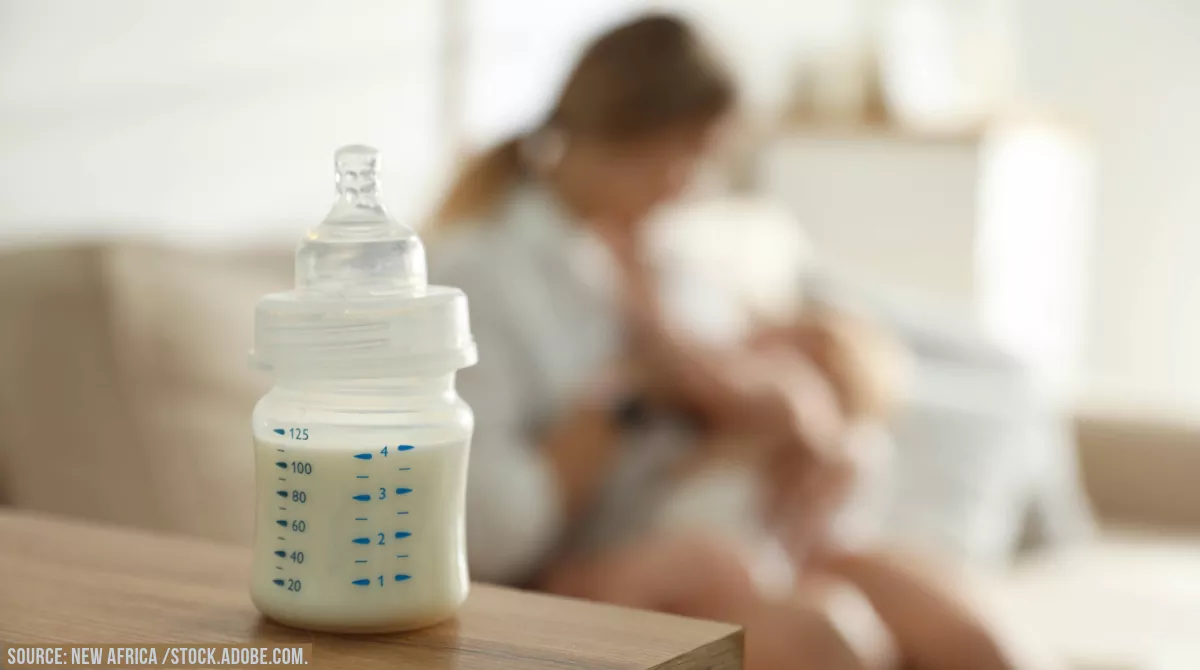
(648, 75)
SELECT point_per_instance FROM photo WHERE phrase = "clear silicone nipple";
(359, 249)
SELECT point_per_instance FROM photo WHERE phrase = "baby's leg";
(837, 508)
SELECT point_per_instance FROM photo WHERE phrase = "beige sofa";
(125, 390)
(125, 397)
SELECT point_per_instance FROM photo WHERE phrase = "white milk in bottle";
(361, 446)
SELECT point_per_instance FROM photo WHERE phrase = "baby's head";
(862, 364)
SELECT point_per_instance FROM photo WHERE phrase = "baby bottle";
(361, 445)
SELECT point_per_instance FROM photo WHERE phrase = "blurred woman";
(590, 400)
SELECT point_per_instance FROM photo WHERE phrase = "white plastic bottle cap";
(362, 307)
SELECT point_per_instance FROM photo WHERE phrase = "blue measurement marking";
(279, 567)
(360, 518)
(363, 457)
(361, 560)
(401, 555)
(281, 494)
(280, 431)
(360, 476)
(401, 512)
(361, 582)
(279, 450)
(277, 582)
(401, 492)
(404, 468)
(281, 554)
(279, 538)
(403, 578)
(401, 534)
(282, 465)
(281, 522)
(361, 540)
(404, 447)
(362, 497)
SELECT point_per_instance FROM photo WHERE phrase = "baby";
(778, 509)
(771, 507)
(727, 537)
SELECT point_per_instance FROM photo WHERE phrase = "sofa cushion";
(68, 442)
(1142, 470)
(125, 389)
(183, 328)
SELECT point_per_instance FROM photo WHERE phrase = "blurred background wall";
(1120, 69)
(206, 121)
(212, 122)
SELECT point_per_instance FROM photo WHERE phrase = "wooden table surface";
(65, 582)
